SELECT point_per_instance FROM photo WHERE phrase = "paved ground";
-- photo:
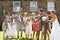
(21, 38)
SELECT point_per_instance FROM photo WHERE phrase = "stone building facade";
(25, 4)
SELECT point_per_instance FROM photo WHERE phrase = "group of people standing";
(41, 21)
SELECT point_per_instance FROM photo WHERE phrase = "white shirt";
(18, 17)
(8, 18)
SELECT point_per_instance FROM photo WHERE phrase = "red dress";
(35, 26)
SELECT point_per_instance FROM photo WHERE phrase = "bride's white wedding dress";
(55, 32)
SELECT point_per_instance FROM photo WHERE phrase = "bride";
(55, 32)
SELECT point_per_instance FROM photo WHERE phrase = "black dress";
(46, 26)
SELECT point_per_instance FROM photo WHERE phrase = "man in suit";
(40, 15)
(19, 22)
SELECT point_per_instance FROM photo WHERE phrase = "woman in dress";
(25, 19)
(55, 32)
(33, 16)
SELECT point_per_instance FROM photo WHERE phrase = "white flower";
(44, 18)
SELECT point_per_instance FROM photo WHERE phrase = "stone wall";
(58, 8)
(26, 5)
(8, 5)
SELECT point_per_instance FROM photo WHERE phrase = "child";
(8, 32)
(4, 27)
(14, 28)
(35, 26)
(28, 27)
(11, 30)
